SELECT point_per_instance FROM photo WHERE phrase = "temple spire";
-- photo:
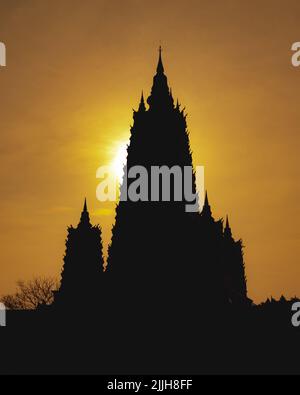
(227, 230)
(206, 211)
(160, 96)
(160, 67)
(227, 222)
(142, 106)
(85, 217)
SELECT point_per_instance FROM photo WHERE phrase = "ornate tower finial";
(85, 217)
(160, 94)
(227, 230)
(206, 211)
(160, 67)
(142, 106)
(206, 199)
(227, 222)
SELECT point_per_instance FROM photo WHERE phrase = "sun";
(119, 160)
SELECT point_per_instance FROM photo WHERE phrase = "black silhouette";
(82, 273)
(173, 298)
(184, 256)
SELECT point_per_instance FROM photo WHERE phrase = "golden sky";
(75, 69)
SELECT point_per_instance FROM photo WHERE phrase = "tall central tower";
(151, 242)
(163, 258)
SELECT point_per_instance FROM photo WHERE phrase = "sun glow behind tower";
(119, 160)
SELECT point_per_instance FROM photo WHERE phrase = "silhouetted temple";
(82, 273)
(161, 258)
(173, 298)
(160, 255)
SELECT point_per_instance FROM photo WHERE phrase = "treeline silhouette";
(31, 294)
(173, 296)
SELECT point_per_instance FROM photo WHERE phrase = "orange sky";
(76, 69)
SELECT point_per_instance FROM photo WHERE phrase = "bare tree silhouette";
(31, 294)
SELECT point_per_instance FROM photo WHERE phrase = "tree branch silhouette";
(31, 293)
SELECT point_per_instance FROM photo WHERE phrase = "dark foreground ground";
(256, 341)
